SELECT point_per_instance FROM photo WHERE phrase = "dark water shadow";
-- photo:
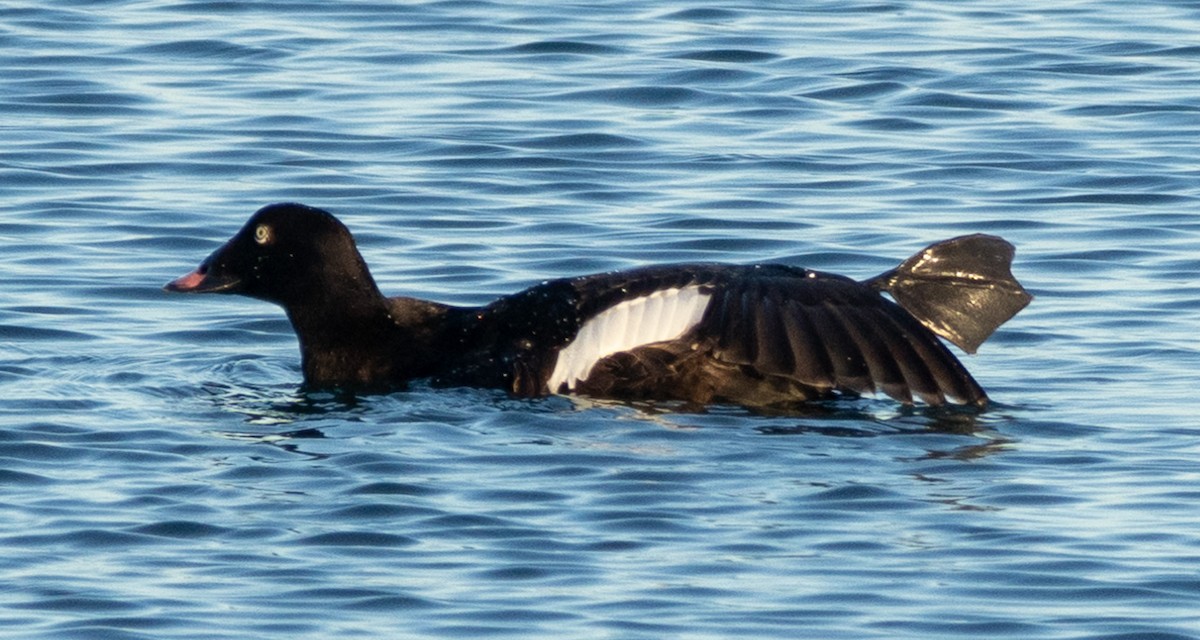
(285, 416)
(842, 417)
(282, 416)
(278, 404)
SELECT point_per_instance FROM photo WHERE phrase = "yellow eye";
(262, 234)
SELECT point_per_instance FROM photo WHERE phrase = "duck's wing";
(620, 312)
(831, 333)
(820, 331)
(548, 338)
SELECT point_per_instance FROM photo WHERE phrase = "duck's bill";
(201, 281)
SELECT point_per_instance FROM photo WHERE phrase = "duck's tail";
(962, 289)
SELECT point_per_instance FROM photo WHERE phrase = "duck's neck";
(369, 341)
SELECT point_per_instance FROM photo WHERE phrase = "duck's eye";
(262, 234)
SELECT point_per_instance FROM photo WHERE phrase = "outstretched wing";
(831, 333)
(770, 322)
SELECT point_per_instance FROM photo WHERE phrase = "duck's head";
(289, 254)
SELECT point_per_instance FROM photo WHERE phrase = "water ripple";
(164, 476)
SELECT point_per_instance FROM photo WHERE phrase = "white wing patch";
(663, 315)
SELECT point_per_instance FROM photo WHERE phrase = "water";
(162, 477)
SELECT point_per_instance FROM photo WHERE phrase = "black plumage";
(758, 335)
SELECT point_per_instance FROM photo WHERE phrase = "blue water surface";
(162, 476)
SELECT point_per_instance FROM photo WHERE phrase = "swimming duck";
(763, 335)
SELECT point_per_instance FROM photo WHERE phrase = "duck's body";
(761, 335)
